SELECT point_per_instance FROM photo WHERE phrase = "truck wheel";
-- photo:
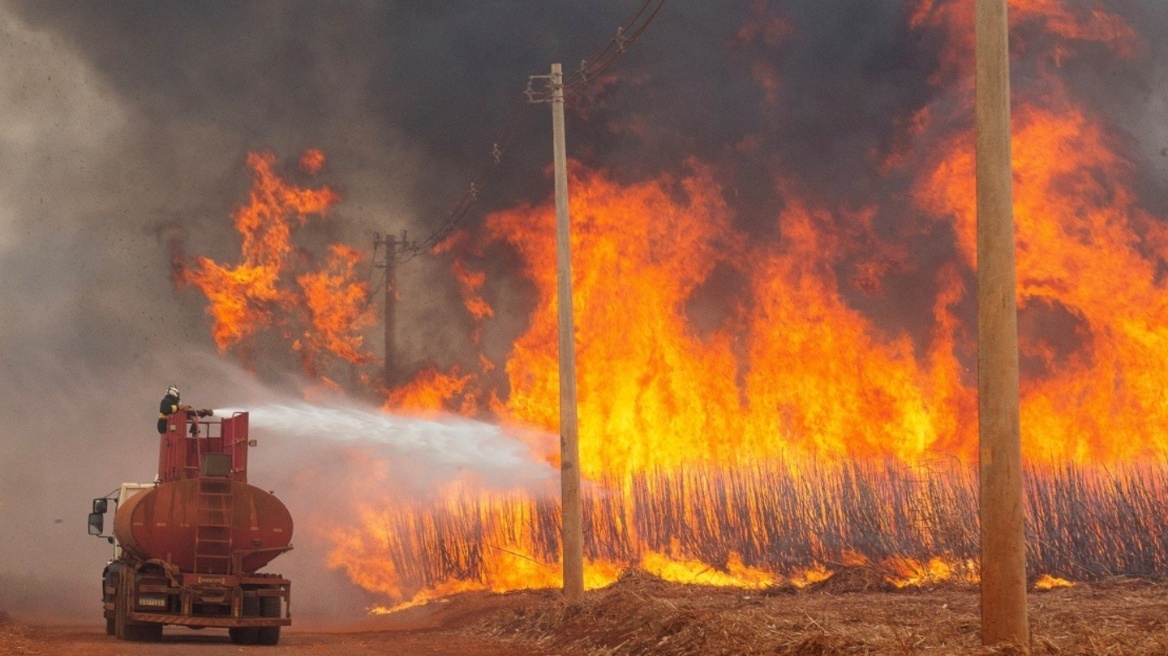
(246, 635)
(120, 611)
(243, 635)
(109, 580)
(125, 629)
(269, 607)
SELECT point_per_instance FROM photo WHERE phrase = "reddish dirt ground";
(643, 615)
(435, 629)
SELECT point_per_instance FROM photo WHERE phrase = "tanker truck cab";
(101, 506)
(187, 548)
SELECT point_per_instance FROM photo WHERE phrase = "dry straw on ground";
(644, 615)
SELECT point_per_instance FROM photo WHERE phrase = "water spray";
(444, 441)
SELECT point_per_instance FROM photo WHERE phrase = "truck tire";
(109, 579)
(124, 628)
(243, 635)
(246, 635)
(121, 613)
(269, 607)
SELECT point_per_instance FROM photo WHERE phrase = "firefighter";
(169, 406)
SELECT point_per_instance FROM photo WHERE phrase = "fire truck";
(189, 546)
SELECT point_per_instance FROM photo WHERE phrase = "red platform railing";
(188, 438)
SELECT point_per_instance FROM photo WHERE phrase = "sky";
(124, 129)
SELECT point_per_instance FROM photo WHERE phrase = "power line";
(456, 215)
(613, 50)
(600, 62)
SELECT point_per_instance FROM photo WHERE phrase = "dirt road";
(437, 629)
(92, 641)
(854, 612)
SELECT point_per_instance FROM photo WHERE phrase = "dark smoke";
(124, 127)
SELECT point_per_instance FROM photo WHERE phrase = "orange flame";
(1048, 582)
(793, 365)
(430, 392)
(312, 160)
(1078, 224)
(677, 369)
(323, 313)
(471, 282)
(673, 372)
(337, 309)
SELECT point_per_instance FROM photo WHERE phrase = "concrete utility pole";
(1003, 542)
(391, 244)
(572, 532)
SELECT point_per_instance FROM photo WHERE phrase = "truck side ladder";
(213, 532)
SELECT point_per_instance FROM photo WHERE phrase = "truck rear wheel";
(246, 635)
(269, 607)
(243, 635)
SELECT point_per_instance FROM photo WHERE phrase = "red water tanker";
(189, 546)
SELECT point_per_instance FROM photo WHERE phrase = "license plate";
(152, 601)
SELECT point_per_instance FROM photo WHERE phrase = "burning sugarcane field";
(626, 327)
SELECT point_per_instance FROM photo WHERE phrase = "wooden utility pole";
(1003, 542)
(391, 244)
(572, 532)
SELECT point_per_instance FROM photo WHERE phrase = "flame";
(770, 30)
(336, 307)
(323, 312)
(471, 282)
(1078, 223)
(431, 392)
(736, 575)
(1048, 582)
(765, 429)
(634, 278)
(751, 388)
(936, 570)
(815, 574)
(671, 376)
(797, 522)
(1053, 30)
(312, 160)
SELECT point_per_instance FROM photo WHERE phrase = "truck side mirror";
(96, 523)
(100, 505)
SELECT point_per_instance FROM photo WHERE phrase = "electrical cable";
(456, 215)
(604, 59)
